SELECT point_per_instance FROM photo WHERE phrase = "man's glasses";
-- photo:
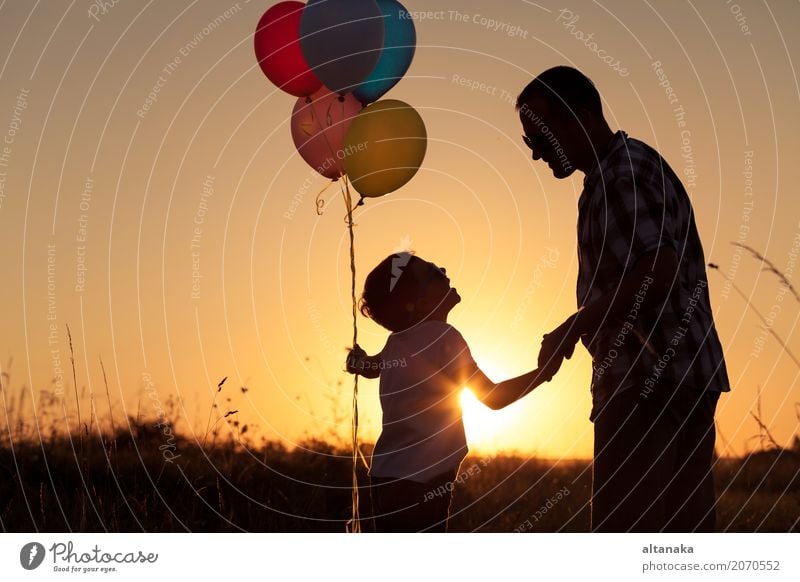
(538, 142)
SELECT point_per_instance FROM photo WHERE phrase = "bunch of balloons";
(339, 57)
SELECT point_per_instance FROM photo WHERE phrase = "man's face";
(552, 135)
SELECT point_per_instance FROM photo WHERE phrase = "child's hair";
(390, 293)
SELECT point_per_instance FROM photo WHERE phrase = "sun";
(487, 429)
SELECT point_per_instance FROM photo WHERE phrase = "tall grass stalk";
(767, 326)
(108, 396)
(213, 407)
(75, 381)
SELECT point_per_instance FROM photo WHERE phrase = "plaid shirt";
(633, 203)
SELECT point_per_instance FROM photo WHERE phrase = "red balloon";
(277, 45)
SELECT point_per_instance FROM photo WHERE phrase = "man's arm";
(657, 269)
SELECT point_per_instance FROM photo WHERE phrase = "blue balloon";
(399, 44)
(341, 41)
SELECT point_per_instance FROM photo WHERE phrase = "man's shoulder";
(635, 156)
(637, 162)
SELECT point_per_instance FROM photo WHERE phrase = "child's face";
(436, 296)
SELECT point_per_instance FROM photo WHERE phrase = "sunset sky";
(104, 187)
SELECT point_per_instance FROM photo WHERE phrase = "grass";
(124, 482)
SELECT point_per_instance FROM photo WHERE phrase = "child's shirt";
(423, 372)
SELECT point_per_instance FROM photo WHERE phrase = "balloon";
(319, 128)
(277, 45)
(384, 147)
(399, 43)
(341, 41)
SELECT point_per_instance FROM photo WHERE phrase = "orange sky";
(110, 197)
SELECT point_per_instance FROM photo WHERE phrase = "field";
(146, 477)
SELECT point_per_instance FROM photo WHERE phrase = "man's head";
(562, 120)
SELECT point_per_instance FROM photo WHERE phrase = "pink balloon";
(319, 128)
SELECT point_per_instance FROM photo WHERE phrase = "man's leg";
(690, 502)
(630, 465)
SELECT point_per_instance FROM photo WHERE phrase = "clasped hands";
(557, 346)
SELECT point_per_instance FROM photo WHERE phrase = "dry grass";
(123, 482)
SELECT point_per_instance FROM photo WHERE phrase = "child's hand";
(355, 362)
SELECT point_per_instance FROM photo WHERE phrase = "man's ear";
(587, 117)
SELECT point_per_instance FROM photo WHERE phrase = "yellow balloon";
(384, 147)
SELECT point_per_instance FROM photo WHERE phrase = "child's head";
(404, 290)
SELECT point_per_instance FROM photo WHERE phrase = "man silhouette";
(644, 314)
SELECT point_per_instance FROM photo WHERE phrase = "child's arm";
(358, 362)
(500, 395)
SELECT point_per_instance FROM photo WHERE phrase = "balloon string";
(318, 200)
(328, 116)
(354, 523)
(348, 218)
(328, 123)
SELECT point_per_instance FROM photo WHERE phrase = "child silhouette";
(423, 368)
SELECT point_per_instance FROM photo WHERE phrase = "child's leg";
(400, 505)
(437, 497)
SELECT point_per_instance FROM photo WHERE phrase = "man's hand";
(557, 346)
